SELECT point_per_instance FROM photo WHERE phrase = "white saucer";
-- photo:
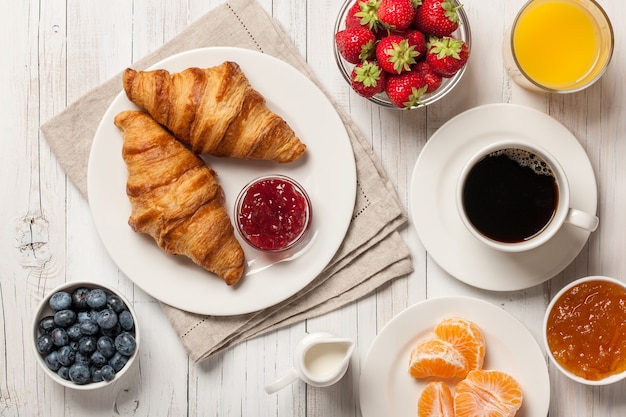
(433, 209)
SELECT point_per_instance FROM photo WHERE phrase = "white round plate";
(433, 208)
(387, 388)
(268, 279)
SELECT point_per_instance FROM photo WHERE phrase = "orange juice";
(562, 44)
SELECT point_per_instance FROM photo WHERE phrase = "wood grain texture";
(57, 50)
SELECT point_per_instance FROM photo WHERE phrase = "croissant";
(176, 198)
(214, 110)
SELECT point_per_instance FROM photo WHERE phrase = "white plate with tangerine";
(388, 389)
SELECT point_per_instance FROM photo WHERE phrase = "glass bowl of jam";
(273, 213)
(585, 330)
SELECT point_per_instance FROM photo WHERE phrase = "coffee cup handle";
(282, 381)
(582, 220)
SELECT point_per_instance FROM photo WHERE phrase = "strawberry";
(430, 77)
(446, 56)
(355, 44)
(437, 17)
(368, 78)
(395, 55)
(396, 14)
(417, 40)
(405, 90)
(368, 14)
(351, 18)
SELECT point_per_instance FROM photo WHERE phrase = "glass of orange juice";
(558, 46)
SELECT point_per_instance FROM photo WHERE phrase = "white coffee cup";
(514, 196)
(320, 359)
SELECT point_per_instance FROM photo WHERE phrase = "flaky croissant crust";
(214, 110)
(176, 198)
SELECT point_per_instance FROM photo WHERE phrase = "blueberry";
(115, 303)
(79, 298)
(82, 359)
(118, 361)
(98, 359)
(74, 345)
(59, 337)
(65, 318)
(89, 327)
(60, 300)
(66, 355)
(126, 320)
(112, 333)
(79, 374)
(52, 360)
(106, 346)
(107, 319)
(125, 343)
(46, 324)
(74, 332)
(108, 373)
(97, 299)
(64, 372)
(86, 315)
(44, 344)
(96, 374)
(87, 345)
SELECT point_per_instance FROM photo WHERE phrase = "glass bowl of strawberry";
(399, 55)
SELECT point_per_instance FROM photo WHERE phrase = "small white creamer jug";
(320, 359)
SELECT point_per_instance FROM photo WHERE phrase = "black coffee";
(510, 195)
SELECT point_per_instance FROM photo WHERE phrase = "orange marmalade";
(586, 330)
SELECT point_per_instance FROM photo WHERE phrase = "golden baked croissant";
(214, 110)
(176, 198)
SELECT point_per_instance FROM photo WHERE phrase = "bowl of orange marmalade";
(585, 330)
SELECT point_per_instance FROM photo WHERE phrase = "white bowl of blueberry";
(85, 335)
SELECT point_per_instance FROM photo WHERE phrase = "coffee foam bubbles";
(526, 159)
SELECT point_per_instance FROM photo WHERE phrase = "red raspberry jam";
(273, 213)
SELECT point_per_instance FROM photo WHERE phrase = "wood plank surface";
(55, 51)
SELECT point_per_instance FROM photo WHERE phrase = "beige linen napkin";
(372, 253)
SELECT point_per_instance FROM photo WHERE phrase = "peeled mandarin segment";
(435, 401)
(487, 393)
(466, 337)
(434, 357)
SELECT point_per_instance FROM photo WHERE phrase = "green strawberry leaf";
(369, 14)
(445, 47)
(368, 74)
(415, 96)
(402, 56)
(450, 7)
(367, 51)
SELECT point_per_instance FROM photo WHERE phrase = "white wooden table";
(56, 50)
